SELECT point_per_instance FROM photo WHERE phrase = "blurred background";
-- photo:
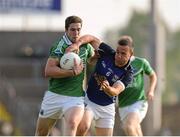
(28, 28)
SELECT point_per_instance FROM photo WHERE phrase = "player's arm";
(152, 85)
(113, 90)
(120, 85)
(53, 70)
(94, 41)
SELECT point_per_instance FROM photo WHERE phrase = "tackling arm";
(95, 42)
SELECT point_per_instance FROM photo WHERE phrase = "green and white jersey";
(69, 86)
(135, 90)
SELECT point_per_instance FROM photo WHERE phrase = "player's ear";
(132, 52)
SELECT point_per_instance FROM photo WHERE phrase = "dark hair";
(72, 19)
(126, 41)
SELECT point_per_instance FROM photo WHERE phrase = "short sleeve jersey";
(135, 91)
(106, 67)
(69, 86)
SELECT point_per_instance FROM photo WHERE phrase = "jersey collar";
(66, 39)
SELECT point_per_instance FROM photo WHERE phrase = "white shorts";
(54, 105)
(103, 115)
(140, 107)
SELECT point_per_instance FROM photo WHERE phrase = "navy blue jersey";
(106, 68)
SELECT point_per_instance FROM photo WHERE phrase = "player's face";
(123, 54)
(73, 31)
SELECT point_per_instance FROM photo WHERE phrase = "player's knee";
(82, 130)
(138, 127)
(72, 124)
(129, 128)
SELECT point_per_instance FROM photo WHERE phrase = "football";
(67, 60)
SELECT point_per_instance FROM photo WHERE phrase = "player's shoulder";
(139, 59)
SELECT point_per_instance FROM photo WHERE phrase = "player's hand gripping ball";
(67, 60)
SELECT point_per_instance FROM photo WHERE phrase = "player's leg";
(85, 123)
(104, 126)
(131, 124)
(103, 116)
(139, 130)
(132, 117)
(72, 117)
(105, 120)
(104, 131)
(44, 126)
(49, 113)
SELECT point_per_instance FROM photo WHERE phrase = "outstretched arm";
(152, 85)
(94, 41)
